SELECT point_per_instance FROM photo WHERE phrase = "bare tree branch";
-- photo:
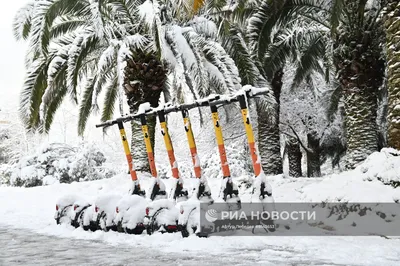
(296, 136)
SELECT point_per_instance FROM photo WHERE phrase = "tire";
(102, 217)
(149, 230)
(184, 231)
(63, 214)
(136, 231)
(153, 226)
(120, 229)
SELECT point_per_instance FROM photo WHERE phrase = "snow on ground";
(33, 209)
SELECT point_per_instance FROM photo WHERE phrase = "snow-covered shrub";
(238, 159)
(62, 163)
(383, 166)
(4, 136)
(5, 174)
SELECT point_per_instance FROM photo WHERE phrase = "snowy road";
(22, 247)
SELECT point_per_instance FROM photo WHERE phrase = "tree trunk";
(392, 26)
(144, 81)
(269, 135)
(294, 155)
(361, 127)
(360, 69)
(313, 158)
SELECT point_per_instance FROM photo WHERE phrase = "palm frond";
(82, 46)
(236, 46)
(23, 21)
(110, 99)
(310, 60)
(66, 24)
(46, 11)
(85, 107)
(198, 70)
(56, 74)
(53, 105)
(31, 95)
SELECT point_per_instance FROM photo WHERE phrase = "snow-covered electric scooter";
(229, 191)
(188, 222)
(161, 214)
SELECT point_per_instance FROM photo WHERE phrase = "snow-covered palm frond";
(110, 98)
(180, 47)
(40, 35)
(97, 19)
(65, 25)
(201, 77)
(83, 45)
(310, 59)
(107, 61)
(236, 46)
(52, 107)
(85, 107)
(125, 10)
(56, 73)
(148, 12)
(204, 27)
(137, 41)
(260, 27)
(32, 92)
(23, 21)
(217, 56)
(45, 13)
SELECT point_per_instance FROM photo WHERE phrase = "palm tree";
(357, 35)
(356, 32)
(137, 48)
(392, 28)
(261, 36)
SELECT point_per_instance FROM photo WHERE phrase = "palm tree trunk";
(360, 68)
(269, 135)
(313, 158)
(144, 81)
(361, 126)
(294, 155)
(392, 26)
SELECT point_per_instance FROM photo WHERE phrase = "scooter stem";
(149, 149)
(220, 141)
(250, 135)
(168, 144)
(192, 143)
(127, 151)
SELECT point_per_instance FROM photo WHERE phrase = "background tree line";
(341, 57)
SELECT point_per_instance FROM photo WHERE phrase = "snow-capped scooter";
(229, 191)
(188, 222)
(264, 189)
(177, 193)
(161, 214)
(136, 189)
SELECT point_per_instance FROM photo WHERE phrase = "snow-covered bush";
(238, 160)
(62, 163)
(5, 174)
(383, 166)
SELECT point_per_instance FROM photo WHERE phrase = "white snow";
(131, 210)
(107, 204)
(143, 108)
(37, 205)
